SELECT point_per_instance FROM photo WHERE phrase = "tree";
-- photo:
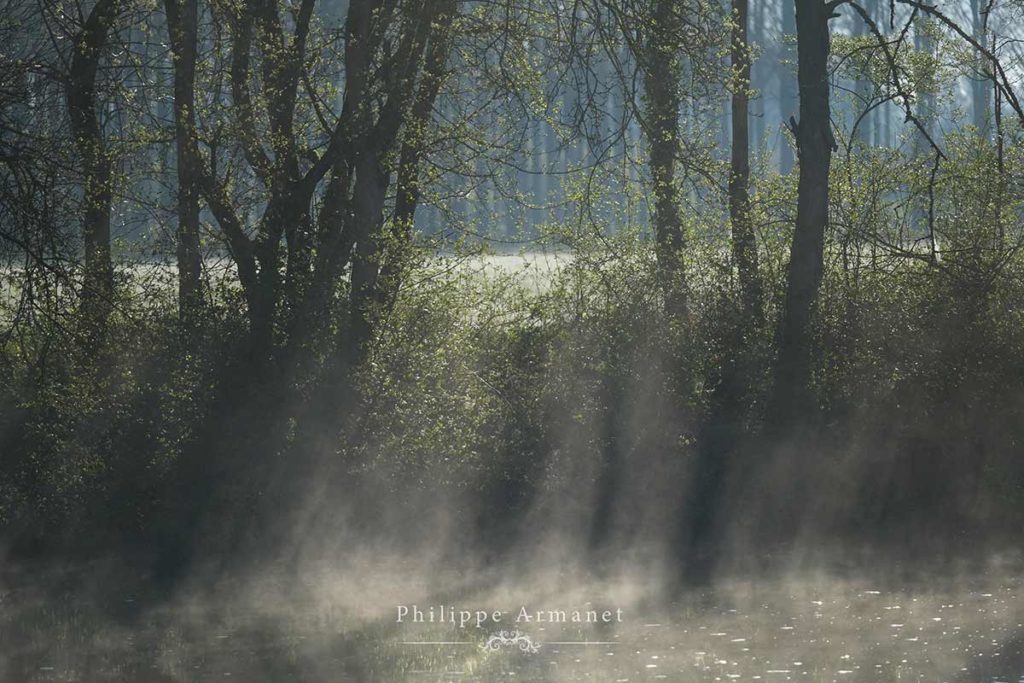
(97, 166)
(788, 101)
(744, 244)
(324, 176)
(815, 143)
(981, 107)
(661, 86)
(182, 25)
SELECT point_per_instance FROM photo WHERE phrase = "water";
(797, 629)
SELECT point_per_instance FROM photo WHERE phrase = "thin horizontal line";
(548, 642)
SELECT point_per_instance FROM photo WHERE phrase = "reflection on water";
(812, 630)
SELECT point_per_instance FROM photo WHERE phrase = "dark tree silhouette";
(793, 398)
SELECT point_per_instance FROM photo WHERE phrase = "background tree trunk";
(981, 105)
(663, 101)
(744, 244)
(787, 93)
(862, 91)
(98, 278)
(182, 21)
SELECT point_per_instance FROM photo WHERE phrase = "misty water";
(342, 625)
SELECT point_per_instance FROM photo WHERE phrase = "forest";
(691, 293)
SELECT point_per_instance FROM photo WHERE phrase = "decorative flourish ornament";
(510, 638)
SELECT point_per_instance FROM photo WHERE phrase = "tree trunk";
(182, 21)
(787, 93)
(921, 214)
(744, 244)
(981, 105)
(926, 100)
(721, 431)
(862, 90)
(792, 392)
(663, 101)
(370, 190)
(413, 149)
(98, 277)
